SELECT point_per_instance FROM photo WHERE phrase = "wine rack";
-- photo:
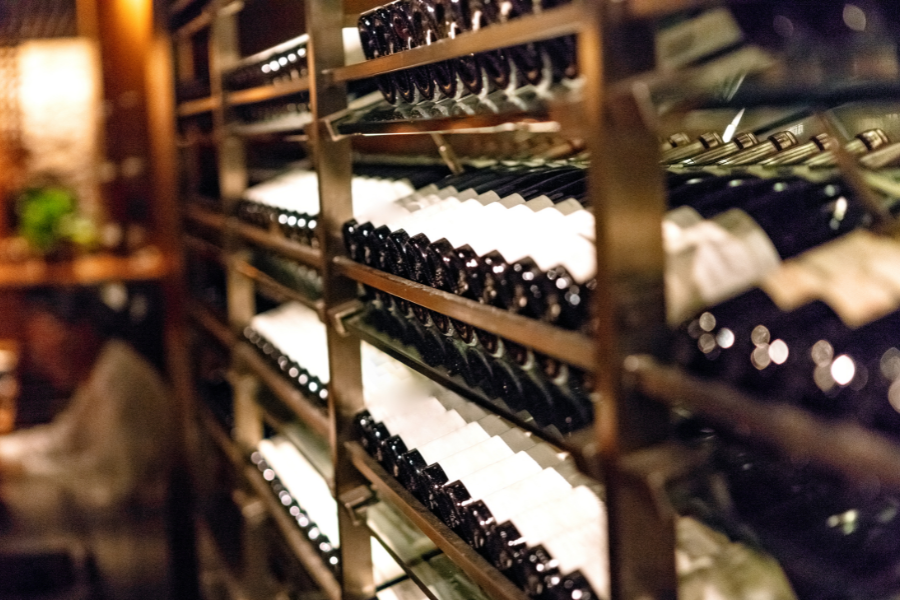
(626, 448)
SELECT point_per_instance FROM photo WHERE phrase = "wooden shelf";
(553, 23)
(210, 323)
(568, 346)
(190, 108)
(315, 417)
(494, 583)
(411, 358)
(850, 449)
(267, 92)
(276, 291)
(298, 544)
(145, 265)
(305, 254)
(205, 217)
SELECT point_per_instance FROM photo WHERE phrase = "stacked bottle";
(285, 62)
(289, 203)
(293, 340)
(521, 238)
(406, 24)
(304, 494)
(835, 539)
(306, 497)
(521, 502)
(289, 273)
(536, 387)
(464, 463)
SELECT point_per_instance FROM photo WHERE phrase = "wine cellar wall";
(442, 347)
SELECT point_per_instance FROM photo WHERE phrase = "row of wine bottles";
(552, 394)
(406, 24)
(521, 502)
(289, 273)
(822, 331)
(835, 539)
(285, 62)
(289, 203)
(521, 239)
(781, 149)
(303, 493)
(293, 340)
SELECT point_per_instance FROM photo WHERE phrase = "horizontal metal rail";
(568, 346)
(267, 92)
(494, 583)
(315, 417)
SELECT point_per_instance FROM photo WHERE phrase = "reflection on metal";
(525, 109)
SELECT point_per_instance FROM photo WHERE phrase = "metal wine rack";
(626, 448)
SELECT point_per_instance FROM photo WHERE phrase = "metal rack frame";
(635, 391)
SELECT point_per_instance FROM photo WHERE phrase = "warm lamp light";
(59, 102)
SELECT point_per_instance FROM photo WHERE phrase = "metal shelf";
(273, 241)
(210, 323)
(553, 23)
(189, 108)
(298, 544)
(850, 449)
(494, 583)
(306, 254)
(300, 547)
(306, 411)
(276, 291)
(416, 554)
(267, 92)
(570, 347)
(525, 109)
(411, 358)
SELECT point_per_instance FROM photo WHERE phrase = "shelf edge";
(573, 348)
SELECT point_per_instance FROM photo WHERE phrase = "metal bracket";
(343, 311)
(447, 153)
(355, 502)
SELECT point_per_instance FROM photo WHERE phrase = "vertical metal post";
(627, 195)
(333, 165)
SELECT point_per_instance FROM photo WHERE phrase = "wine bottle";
(704, 142)
(774, 144)
(800, 153)
(866, 141)
(411, 464)
(470, 460)
(479, 518)
(816, 335)
(452, 498)
(740, 142)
